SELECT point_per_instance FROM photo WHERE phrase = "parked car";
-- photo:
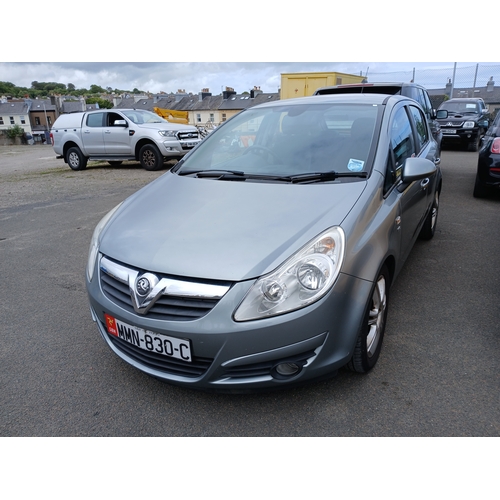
(119, 135)
(408, 89)
(269, 263)
(488, 164)
(465, 122)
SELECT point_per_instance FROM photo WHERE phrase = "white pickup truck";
(119, 135)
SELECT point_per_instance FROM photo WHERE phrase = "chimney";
(228, 92)
(204, 93)
(255, 92)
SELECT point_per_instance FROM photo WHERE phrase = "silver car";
(265, 257)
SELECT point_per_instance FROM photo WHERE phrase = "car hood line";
(229, 232)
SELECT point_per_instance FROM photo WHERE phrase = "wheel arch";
(142, 143)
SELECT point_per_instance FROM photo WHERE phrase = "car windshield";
(141, 116)
(289, 140)
(460, 107)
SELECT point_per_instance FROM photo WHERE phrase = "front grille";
(187, 136)
(114, 281)
(196, 368)
(165, 308)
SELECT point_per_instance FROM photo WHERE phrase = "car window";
(290, 140)
(420, 127)
(95, 120)
(402, 142)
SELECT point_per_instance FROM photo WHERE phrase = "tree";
(95, 89)
(103, 103)
(15, 131)
(71, 87)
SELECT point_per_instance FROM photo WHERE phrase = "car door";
(414, 195)
(116, 137)
(93, 134)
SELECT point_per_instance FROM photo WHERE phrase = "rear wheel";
(480, 190)
(150, 157)
(75, 159)
(371, 334)
(429, 227)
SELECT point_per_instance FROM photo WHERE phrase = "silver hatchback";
(265, 257)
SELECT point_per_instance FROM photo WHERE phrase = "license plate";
(449, 131)
(148, 340)
(190, 144)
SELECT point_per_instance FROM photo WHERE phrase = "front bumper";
(231, 356)
(175, 148)
(460, 135)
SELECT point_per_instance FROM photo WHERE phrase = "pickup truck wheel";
(150, 157)
(474, 145)
(75, 159)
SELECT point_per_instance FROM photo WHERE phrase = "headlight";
(301, 280)
(94, 242)
(469, 125)
(167, 133)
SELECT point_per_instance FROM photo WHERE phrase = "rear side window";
(420, 127)
(95, 120)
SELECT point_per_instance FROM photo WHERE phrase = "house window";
(49, 120)
(1, 120)
(212, 118)
(223, 117)
(198, 118)
(12, 122)
(339, 80)
(37, 120)
(23, 121)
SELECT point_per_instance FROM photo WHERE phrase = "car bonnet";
(225, 230)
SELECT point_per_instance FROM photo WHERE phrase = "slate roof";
(13, 108)
(490, 97)
(236, 102)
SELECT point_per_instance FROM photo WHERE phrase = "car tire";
(474, 145)
(429, 227)
(75, 159)
(480, 190)
(115, 163)
(150, 157)
(371, 334)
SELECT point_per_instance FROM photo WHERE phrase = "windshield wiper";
(323, 176)
(216, 174)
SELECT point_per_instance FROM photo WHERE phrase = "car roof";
(334, 98)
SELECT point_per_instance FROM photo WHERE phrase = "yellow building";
(304, 84)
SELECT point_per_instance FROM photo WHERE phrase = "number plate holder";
(147, 340)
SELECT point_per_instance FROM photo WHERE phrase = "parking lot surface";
(437, 374)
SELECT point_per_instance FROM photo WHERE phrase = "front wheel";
(371, 334)
(75, 159)
(150, 157)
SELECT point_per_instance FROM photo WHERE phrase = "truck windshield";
(140, 116)
(290, 140)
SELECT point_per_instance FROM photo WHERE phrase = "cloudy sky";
(172, 51)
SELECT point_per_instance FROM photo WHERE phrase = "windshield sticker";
(355, 165)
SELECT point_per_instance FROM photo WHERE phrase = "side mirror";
(415, 169)
(121, 123)
(442, 114)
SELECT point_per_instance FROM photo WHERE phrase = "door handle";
(425, 183)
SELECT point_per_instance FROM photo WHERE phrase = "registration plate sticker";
(149, 341)
(449, 131)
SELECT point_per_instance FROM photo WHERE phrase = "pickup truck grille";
(186, 136)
